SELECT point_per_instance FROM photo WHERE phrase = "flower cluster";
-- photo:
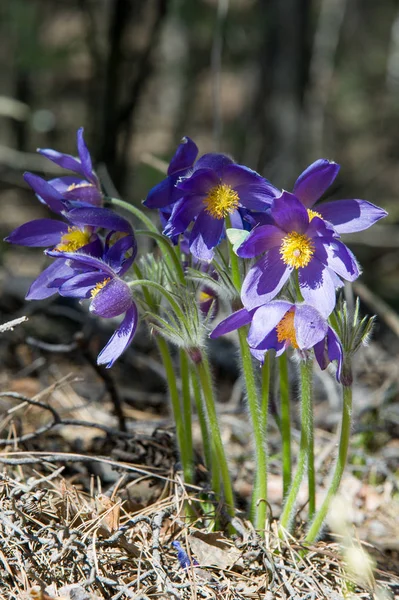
(92, 246)
(290, 291)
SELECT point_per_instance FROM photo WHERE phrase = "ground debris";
(60, 542)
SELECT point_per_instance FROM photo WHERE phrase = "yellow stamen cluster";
(312, 214)
(99, 287)
(221, 201)
(286, 330)
(296, 250)
(204, 297)
(73, 240)
(74, 186)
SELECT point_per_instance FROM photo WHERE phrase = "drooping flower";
(280, 324)
(347, 216)
(299, 242)
(77, 233)
(207, 192)
(71, 190)
(100, 279)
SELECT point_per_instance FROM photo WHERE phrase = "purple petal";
(121, 339)
(317, 287)
(41, 287)
(329, 349)
(314, 181)
(254, 197)
(349, 216)
(61, 184)
(112, 300)
(85, 157)
(199, 183)
(258, 354)
(98, 217)
(334, 350)
(215, 162)
(260, 239)
(66, 161)
(265, 319)
(289, 214)
(86, 193)
(81, 285)
(45, 192)
(184, 157)
(235, 321)
(163, 194)
(41, 232)
(340, 259)
(310, 327)
(237, 175)
(80, 258)
(264, 280)
(184, 211)
(121, 254)
(205, 235)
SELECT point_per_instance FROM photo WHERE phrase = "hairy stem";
(287, 515)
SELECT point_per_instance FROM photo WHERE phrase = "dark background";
(275, 83)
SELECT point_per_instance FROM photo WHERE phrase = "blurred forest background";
(275, 83)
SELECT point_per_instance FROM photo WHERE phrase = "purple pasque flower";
(299, 243)
(280, 324)
(165, 194)
(77, 233)
(71, 190)
(206, 193)
(347, 216)
(100, 279)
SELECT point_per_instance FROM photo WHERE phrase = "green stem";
(204, 374)
(134, 211)
(285, 421)
(202, 419)
(186, 397)
(318, 521)
(186, 457)
(168, 251)
(259, 498)
(287, 515)
(311, 471)
(265, 392)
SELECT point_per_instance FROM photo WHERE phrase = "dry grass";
(58, 542)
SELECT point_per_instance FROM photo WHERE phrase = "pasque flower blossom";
(280, 324)
(100, 279)
(347, 216)
(296, 241)
(77, 232)
(70, 190)
(207, 192)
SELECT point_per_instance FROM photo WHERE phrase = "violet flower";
(298, 242)
(280, 324)
(70, 190)
(347, 216)
(100, 279)
(77, 233)
(213, 189)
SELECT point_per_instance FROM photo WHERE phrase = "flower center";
(312, 214)
(73, 240)
(286, 330)
(99, 287)
(221, 201)
(296, 250)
